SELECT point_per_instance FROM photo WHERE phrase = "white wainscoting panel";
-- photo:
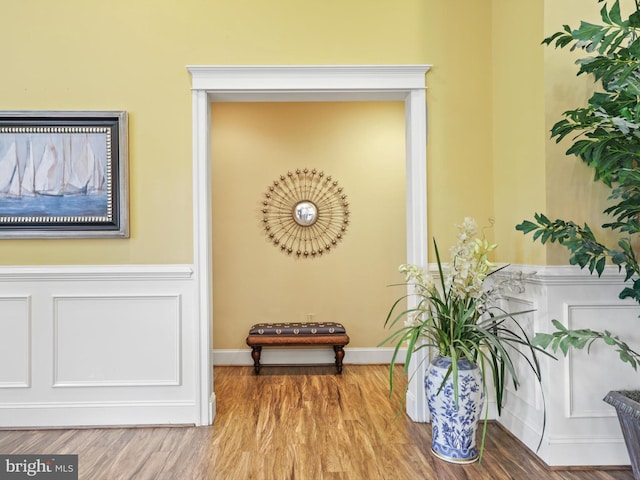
(99, 345)
(592, 371)
(581, 429)
(15, 342)
(88, 330)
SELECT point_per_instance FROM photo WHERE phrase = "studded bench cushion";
(300, 335)
(302, 329)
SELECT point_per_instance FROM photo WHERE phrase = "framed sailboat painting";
(63, 174)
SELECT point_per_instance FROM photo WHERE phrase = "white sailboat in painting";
(67, 166)
(97, 179)
(84, 173)
(49, 176)
(29, 175)
(10, 172)
(68, 174)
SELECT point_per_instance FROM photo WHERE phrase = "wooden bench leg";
(339, 349)
(255, 354)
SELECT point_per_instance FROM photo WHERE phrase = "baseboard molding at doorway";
(353, 356)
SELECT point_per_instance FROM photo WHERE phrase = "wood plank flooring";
(294, 423)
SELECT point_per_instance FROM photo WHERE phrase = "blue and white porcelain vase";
(454, 427)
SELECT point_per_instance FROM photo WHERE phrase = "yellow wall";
(518, 126)
(532, 86)
(570, 191)
(350, 285)
(361, 145)
(459, 146)
(493, 93)
(131, 55)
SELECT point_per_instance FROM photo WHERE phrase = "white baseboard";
(353, 356)
(571, 450)
(96, 414)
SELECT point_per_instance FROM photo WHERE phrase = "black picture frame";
(63, 174)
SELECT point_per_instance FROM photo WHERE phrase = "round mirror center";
(305, 213)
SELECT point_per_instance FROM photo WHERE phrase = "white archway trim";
(302, 83)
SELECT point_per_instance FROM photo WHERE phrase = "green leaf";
(606, 41)
(542, 219)
(605, 15)
(542, 339)
(614, 13)
(634, 19)
(559, 326)
(550, 39)
(634, 49)
(629, 69)
(626, 293)
(586, 31)
(624, 356)
(527, 226)
(616, 43)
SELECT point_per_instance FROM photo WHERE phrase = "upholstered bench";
(309, 334)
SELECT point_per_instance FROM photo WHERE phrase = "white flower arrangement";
(458, 314)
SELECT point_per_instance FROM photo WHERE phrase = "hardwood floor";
(295, 423)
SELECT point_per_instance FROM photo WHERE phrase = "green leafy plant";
(458, 316)
(605, 134)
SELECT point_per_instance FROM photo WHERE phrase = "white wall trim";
(95, 272)
(586, 450)
(569, 275)
(300, 83)
(94, 404)
(237, 83)
(353, 356)
(129, 413)
(17, 349)
(202, 258)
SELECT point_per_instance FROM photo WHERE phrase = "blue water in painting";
(51, 206)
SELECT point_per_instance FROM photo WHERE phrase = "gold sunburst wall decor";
(305, 213)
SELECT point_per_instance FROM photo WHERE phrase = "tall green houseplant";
(605, 134)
